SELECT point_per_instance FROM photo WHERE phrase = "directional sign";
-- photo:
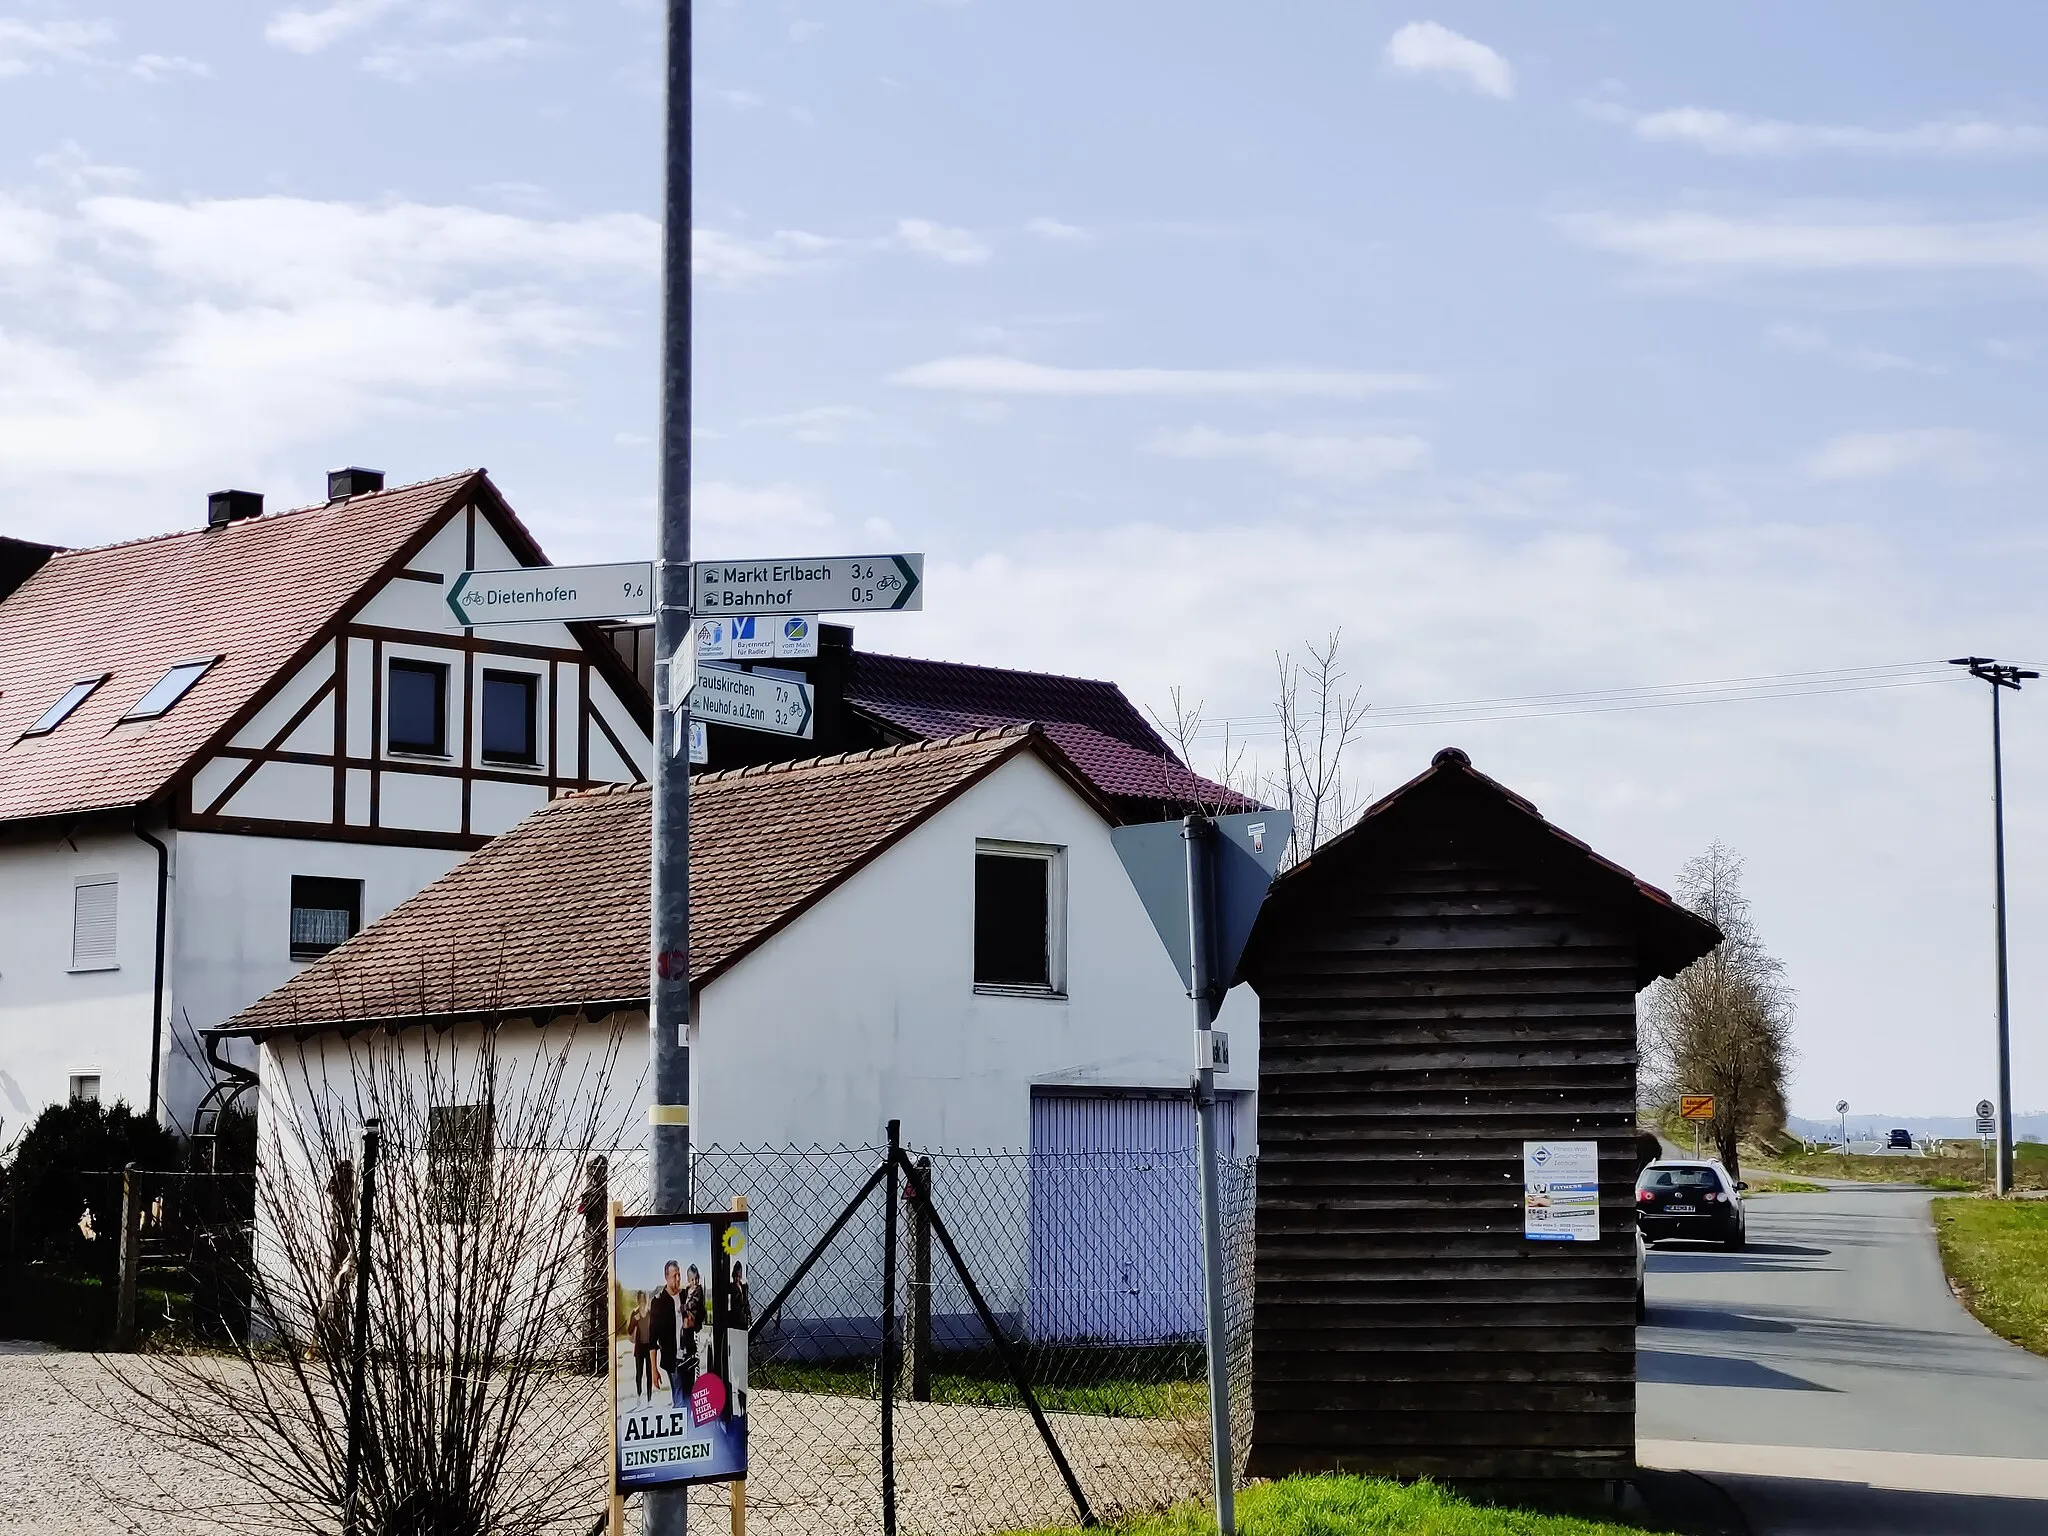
(810, 584)
(1696, 1106)
(757, 637)
(533, 594)
(754, 701)
(700, 744)
(1244, 850)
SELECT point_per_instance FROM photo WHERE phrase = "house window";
(1018, 924)
(461, 1141)
(510, 706)
(85, 1088)
(416, 708)
(325, 913)
(69, 700)
(170, 688)
(93, 902)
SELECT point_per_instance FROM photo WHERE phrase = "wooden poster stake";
(739, 1484)
(615, 1517)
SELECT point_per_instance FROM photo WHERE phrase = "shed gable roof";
(255, 593)
(1454, 794)
(553, 915)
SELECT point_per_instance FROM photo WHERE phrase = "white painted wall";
(864, 1009)
(53, 1022)
(231, 909)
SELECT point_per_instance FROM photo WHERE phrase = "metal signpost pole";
(1195, 829)
(668, 1013)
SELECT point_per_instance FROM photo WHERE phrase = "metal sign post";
(668, 986)
(1195, 833)
(1202, 881)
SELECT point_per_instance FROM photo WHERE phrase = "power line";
(1727, 690)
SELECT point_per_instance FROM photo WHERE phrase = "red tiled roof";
(252, 593)
(1105, 735)
(553, 914)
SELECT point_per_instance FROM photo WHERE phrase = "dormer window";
(170, 688)
(60, 711)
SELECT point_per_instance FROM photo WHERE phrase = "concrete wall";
(54, 1022)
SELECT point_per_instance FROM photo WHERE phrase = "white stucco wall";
(231, 908)
(55, 1023)
(864, 1009)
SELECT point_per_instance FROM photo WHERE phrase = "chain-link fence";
(1042, 1334)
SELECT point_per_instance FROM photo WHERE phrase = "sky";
(1542, 352)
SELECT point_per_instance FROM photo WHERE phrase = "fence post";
(131, 1260)
(359, 1350)
(889, 1332)
(920, 1320)
(738, 1484)
(596, 1202)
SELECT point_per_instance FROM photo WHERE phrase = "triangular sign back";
(1243, 852)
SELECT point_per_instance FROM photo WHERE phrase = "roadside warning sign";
(1696, 1106)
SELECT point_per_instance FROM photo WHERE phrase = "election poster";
(679, 1322)
(1561, 1191)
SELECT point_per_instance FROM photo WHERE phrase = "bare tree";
(1319, 723)
(1182, 726)
(1723, 1025)
(481, 1409)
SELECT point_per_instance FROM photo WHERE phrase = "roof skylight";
(60, 711)
(170, 688)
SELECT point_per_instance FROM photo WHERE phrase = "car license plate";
(1682, 1210)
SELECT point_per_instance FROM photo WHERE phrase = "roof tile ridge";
(595, 791)
(870, 754)
(977, 666)
(267, 517)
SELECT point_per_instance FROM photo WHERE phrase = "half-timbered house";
(225, 750)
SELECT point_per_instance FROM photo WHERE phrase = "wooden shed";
(1450, 979)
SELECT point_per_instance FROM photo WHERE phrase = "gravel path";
(69, 1466)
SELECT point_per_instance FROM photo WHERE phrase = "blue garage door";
(1115, 1217)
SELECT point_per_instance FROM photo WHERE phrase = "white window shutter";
(92, 925)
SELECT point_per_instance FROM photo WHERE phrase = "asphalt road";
(1775, 1369)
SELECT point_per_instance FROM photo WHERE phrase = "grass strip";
(1996, 1253)
(1359, 1506)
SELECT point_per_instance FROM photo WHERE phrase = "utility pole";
(2000, 675)
(1195, 829)
(668, 984)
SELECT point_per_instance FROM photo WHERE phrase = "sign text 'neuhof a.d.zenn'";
(810, 584)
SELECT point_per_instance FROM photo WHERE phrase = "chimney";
(224, 507)
(353, 481)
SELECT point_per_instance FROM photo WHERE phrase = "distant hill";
(2028, 1125)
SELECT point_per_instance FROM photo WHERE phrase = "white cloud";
(1702, 243)
(1812, 341)
(1732, 133)
(157, 339)
(407, 62)
(314, 31)
(2010, 349)
(987, 375)
(825, 425)
(30, 45)
(802, 30)
(729, 260)
(1953, 453)
(733, 517)
(1058, 230)
(1353, 457)
(956, 247)
(1427, 48)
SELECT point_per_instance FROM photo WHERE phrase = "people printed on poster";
(679, 1358)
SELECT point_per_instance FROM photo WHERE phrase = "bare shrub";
(483, 1411)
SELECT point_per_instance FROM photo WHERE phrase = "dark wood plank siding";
(1422, 1013)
